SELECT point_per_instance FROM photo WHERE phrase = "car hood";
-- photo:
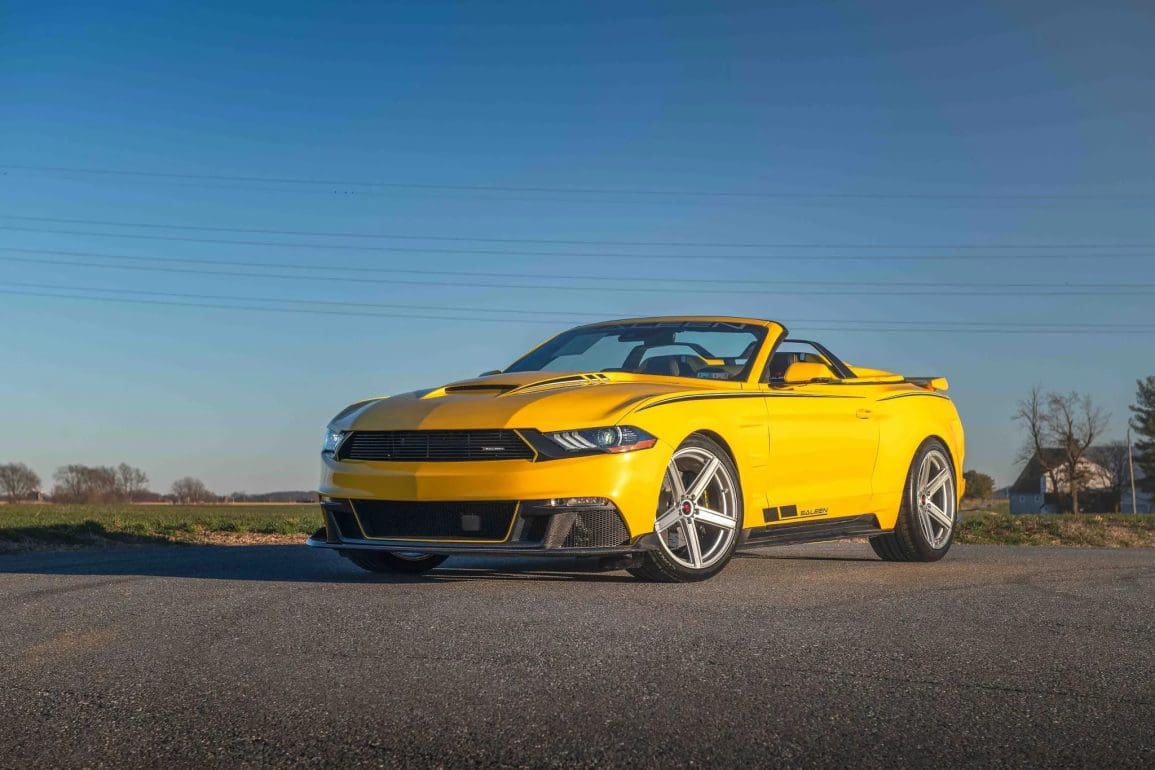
(542, 400)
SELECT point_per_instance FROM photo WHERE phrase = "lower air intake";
(387, 519)
(597, 529)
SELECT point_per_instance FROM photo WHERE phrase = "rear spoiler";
(930, 383)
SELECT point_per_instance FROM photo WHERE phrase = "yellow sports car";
(656, 444)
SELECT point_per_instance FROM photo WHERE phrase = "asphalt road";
(811, 655)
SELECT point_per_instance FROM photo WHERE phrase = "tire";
(928, 518)
(385, 561)
(699, 516)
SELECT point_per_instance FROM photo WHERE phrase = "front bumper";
(529, 529)
(631, 480)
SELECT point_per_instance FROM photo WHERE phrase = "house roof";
(1033, 471)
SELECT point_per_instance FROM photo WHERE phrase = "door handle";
(863, 414)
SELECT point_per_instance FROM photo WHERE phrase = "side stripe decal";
(705, 397)
(910, 395)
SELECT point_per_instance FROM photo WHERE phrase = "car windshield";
(701, 349)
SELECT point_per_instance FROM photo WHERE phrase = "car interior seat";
(673, 365)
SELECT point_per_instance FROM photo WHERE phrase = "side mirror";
(806, 371)
(490, 373)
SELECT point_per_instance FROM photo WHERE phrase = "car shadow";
(287, 563)
(788, 553)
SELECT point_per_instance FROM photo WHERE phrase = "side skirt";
(812, 531)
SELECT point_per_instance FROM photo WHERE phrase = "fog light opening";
(579, 502)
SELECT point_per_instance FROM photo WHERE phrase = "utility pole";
(1131, 467)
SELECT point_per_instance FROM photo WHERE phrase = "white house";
(1034, 491)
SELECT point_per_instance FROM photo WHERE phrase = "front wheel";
(385, 561)
(929, 513)
(699, 515)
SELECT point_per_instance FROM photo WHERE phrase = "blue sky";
(963, 137)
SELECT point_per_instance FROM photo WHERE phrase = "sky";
(206, 208)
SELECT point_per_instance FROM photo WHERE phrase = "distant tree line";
(99, 484)
(123, 483)
(76, 483)
(18, 482)
(288, 496)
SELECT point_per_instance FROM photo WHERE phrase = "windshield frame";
(760, 332)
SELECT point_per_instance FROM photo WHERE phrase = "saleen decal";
(791, 512)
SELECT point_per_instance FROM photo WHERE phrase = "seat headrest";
(674, 365)
(806, 371)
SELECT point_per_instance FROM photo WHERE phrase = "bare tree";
(131, 482)
(1031, 413)
(18, 481)
(84, 484)
(1060, 431)
(190, 490)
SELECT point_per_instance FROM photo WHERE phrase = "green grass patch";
(33, 525)
(1084, 529)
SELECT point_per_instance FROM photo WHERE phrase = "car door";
(823, 442)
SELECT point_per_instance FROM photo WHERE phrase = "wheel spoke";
(703, 480)
(925, 525)
(938, 482)
(668, 519)
(923, 473)
(674, 477)
(939, 515)
(693, 547)
(714, 518)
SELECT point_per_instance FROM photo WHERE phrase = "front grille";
(448, 520)
(434, 445)
(597, 529)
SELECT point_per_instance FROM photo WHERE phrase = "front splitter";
(641, 545)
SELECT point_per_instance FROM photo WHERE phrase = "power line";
(569, 242)
(410, 316)
(560, 254)
(325, 302)
(797, 288)
(342, 302)
(252, 308)
(648, 280)
(627, 192)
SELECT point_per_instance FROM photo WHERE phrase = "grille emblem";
(492, 448)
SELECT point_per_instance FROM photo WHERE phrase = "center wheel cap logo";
(687, 507)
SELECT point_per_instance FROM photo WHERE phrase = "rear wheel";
(929, 513)
(385, 561)
(699, 515)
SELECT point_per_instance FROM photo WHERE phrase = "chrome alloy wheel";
(935, 498)
(698, 516)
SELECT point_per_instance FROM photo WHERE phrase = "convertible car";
(659, 445)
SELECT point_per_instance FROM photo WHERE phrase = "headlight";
(332, 443)
(614, 439)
